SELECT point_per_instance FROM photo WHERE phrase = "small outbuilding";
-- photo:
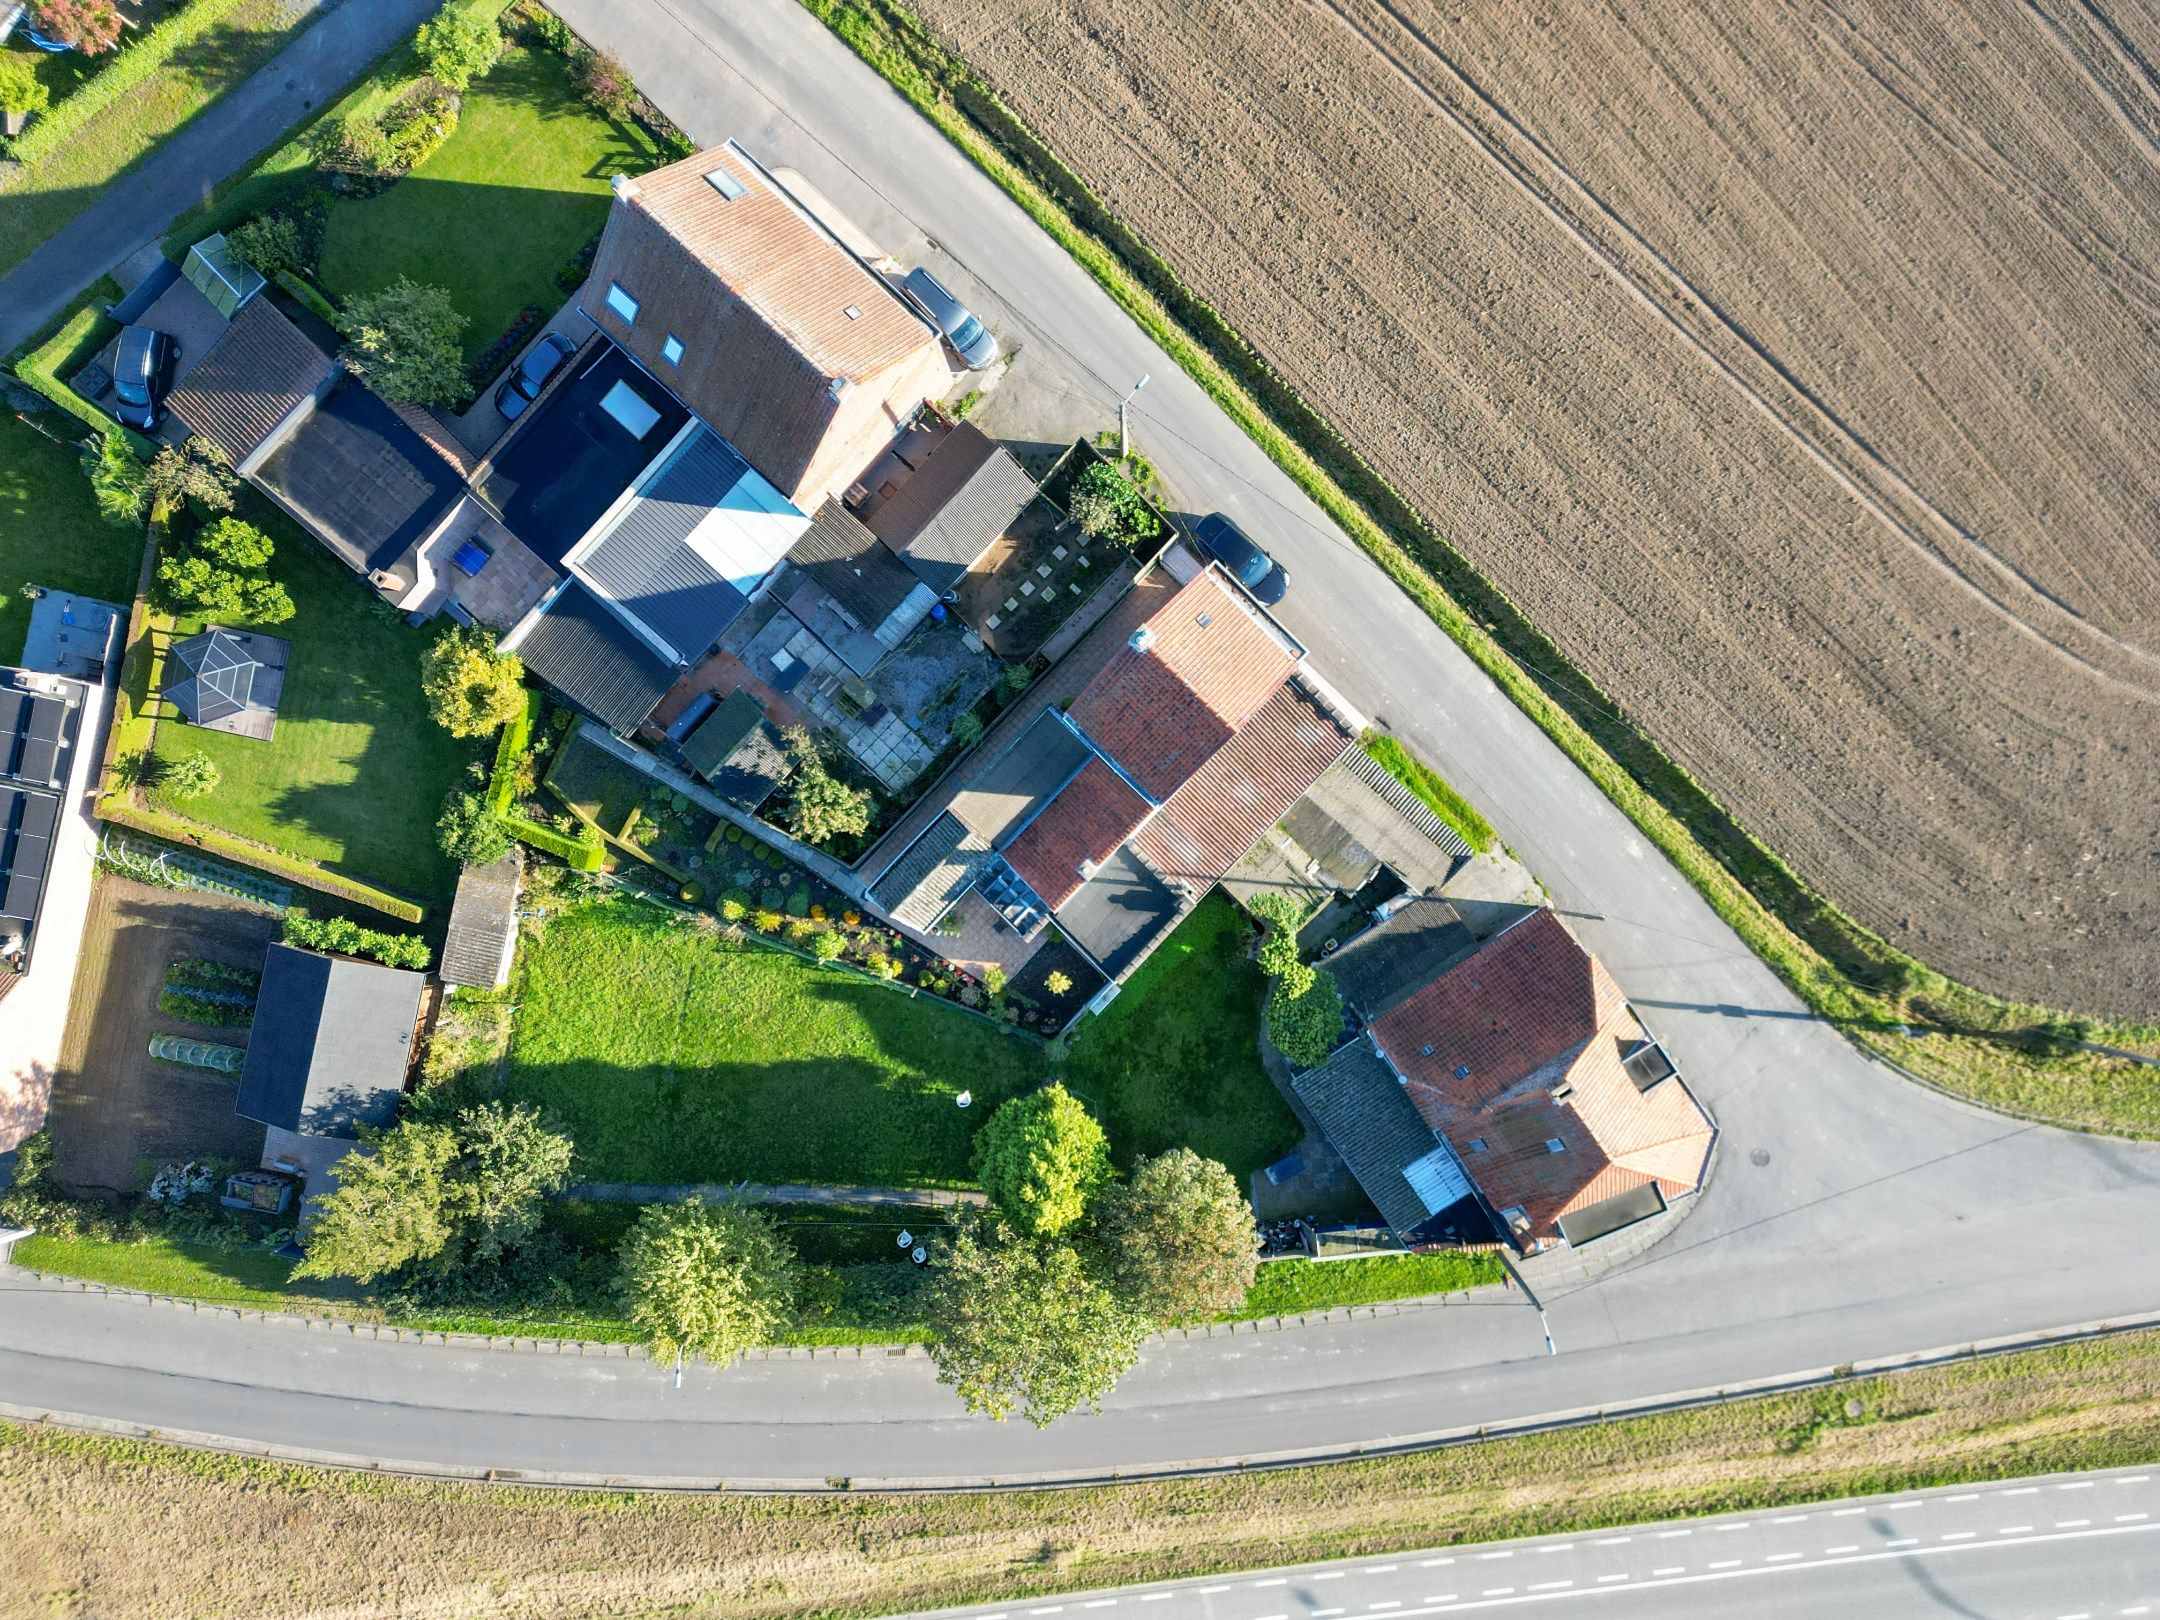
(483, 924)
(331, 1044)
(228, 680)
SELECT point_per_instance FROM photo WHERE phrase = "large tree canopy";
(1041, 1158)
(1178, 1239)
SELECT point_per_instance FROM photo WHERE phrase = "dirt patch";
(1791, 366)
(115, 1109)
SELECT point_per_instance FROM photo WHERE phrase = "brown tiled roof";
(1097, 812)
(1244, 790)
(250, 381)
(1163, 711)
(1485, 1047)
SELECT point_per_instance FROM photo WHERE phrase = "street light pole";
(1121, 404)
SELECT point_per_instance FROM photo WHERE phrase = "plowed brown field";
(1796, 366)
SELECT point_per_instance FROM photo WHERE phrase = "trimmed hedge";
(309, 294)
(129, 69)
(348, 938)
(190, 834)
(65, 350)
(582, 854)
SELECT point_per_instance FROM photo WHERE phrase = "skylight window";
(1553, 1144)
(852, 313)
(726, 184)
(672, 350)
(622, 303)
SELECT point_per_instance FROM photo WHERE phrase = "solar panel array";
(33, 741)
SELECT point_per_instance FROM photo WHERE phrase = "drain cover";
(1759, 1158)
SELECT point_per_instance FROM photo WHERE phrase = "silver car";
(962, 330)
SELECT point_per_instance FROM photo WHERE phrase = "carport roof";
(592, 658)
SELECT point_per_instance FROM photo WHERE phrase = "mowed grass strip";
(357, 770)
(499, 208)
(50, 533)
(116, 1524)
(1175, 1060)
(675, 1057)
(1435, 791)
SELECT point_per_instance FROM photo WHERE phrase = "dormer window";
(622, 303)
(672, 350)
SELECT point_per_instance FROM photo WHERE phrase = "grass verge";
(1434, 791)
(116, 1523)
(2019, 1059)
(50, 532)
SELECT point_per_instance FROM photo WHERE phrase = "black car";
(531, 374)
(1255, 569)
(142, 375)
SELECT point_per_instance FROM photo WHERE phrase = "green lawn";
(49, 529)
(1287, 1287)
(61, 185)
(500, 207)
(357, 770)
(675, 1058)
(1435, 790)
(1175, 1060)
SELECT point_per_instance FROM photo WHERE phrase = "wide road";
(1851, 1215)
(2071, 1548)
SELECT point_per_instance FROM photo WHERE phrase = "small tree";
(91, 26)
(191, 776)
(235, 545)
(1023, 1328)
(455, 48)
(1305, 1017)
(822, 807)
(472, 689)
(510, 1160)
(275, 244)
(120, 483)
(1178, 1239)
(467, 830)
(21, 91)
(1041, 1158)
(404, 340)
(188, 582)
(391, 1206)
(195, 471)
(1107, 507)
(712, 1278)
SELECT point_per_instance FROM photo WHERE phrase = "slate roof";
(1360, 1108)
(1419, 941)
(1521, 1045)
(362, 481)
(1097, 811)
(957, 505)
(592, 658)
(1244, 789)
(331, 1043)
(851, 567)
(1207, 663)
(254, 377)
(483, 926)
(936, 871)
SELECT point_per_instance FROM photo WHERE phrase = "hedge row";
(64, 351)
(582, 854)
(191, 834)
(149, 52)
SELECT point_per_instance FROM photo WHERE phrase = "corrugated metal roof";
(483, 923)
(1361, 1110)
(852, 568)
(931, 877)
(957, 504)
(588, 655)
(254, 377)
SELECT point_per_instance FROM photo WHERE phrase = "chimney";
(623, 186)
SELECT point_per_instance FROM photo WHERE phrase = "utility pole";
(1121, 404)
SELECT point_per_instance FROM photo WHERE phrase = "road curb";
(1438, 1439)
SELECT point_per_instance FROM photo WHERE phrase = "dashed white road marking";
(1498, 1591)
(2130, 1518)
(2133, 1479)
(1742, 1525)
(1613, 1541)
(1791, 1518)
(1322, 1614)
(1392, 1603)
(1727, 1563)
(1604, 1579)
(1444, 1597)
(1676, 1569)
(2075, 1485)
(1101, 1603)
(1961, 1535)
(1326, 1575)
(1779, 1558)
(1837, 1552)
(2072, 1524)
(1210, 1591)
(2024, 1490)
(1274, 1580)
(1548, 1586)
(1156, 1597)
(2015, 1530)
(1558, 1546)
(1496, 1555)
(1969, 1496)
(1434, 1563)
(1845, 1513)
(1383, 1569)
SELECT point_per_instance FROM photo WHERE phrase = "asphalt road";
(2074, 1548)
(1850, 1214)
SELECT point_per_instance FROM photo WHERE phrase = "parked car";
(531, 374)
(1255, 569)
(962, 330)
(142, 375)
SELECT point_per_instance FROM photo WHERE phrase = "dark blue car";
(1255, 569)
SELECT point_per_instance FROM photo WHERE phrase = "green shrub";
(455, 48)
(607, 84)
(274, 244)
(734, 906)
(1107, 507)
(798, 902)
(348, 938)
(1305, 1020)
(118, 481)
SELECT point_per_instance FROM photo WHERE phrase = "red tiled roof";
(1210, 664)
(1096, 812)
(1244, 790)
(1484, 1047)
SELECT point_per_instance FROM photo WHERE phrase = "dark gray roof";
(35, 731)
(934, 873)
(257, 374)
(1608, 1215)
(645, 564)
(1011, 787)
(330, 1045)
(27, 821)
(37, 747)
(851, 567)
(720, 733)
(596, 661)
(483, 923)
(364, 482)
(1117, 915)
(1368, 1120)
(959, 501)
(1387, 962)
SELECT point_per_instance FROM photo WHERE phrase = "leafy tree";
(195, 471)
(1178, 1239)
(1305, 1021)
(120, 483)
(1279, 954)
(712, 1278)
(273, 243)
(188, 582)
(1276, 909)
(1024, 1328)
(21, 91)
(467, 830)
(235, 545)
(191, 776)
(404, 340)
(472, 689)
(455, 48)
(1107, 507)
(91, 26)
(1041, 1158)
(509, 1161)
(391, 1207)
(822, 807)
